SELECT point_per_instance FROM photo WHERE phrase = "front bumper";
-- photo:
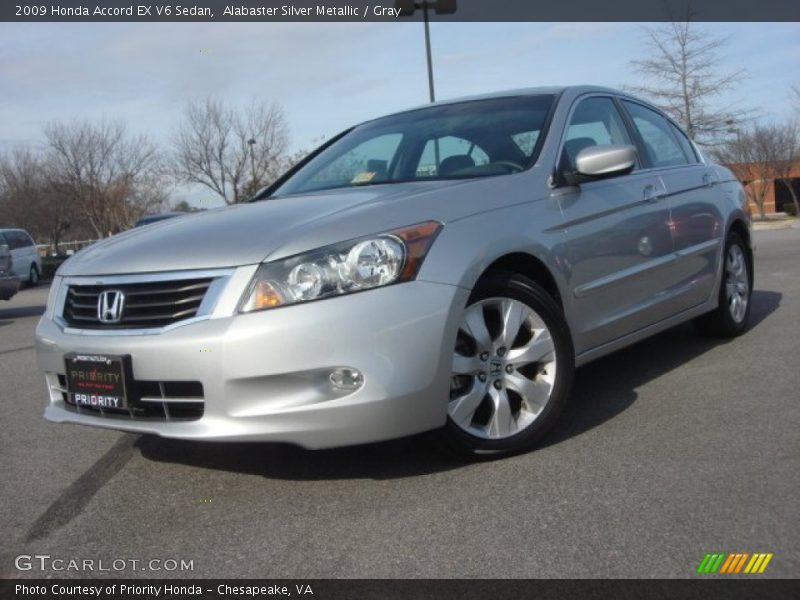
(265, 375)
(9, 285)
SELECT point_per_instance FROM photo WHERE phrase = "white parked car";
(9, 284)
(26, 263)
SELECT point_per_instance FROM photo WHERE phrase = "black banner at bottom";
(397, 589)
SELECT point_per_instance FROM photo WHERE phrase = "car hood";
(248, 233)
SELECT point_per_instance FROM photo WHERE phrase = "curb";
(772, 225)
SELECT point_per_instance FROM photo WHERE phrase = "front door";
(620, 247)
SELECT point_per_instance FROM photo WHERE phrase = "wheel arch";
(529, 266)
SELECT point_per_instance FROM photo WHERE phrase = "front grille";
(154, 400)
(146, 305)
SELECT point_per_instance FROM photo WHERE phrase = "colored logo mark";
(734, 562)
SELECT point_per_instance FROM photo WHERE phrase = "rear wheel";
(513, 365)
(730, 317)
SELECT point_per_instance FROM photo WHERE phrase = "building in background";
(777, 198)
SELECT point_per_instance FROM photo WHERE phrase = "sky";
(328, 76)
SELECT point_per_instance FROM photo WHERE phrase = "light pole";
(738, 132)
(252, 142)
(441, 7)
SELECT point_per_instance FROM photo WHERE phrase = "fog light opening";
(346, 379)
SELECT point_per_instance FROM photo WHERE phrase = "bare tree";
(682, 76)
(762, 156)
(28, 200)
(234, 153)
(111, 177)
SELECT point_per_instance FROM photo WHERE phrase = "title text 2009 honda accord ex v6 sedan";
(441, 268)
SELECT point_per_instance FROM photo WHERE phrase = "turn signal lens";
(264, 296)
(418, 241)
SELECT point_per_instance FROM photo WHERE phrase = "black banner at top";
(389, 10)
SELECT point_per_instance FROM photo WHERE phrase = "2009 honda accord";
(444, 268)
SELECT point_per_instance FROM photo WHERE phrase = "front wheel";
(33, 276)
(513, 366)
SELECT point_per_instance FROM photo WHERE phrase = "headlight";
(352, 266)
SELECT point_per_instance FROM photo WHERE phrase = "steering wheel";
(510, 164)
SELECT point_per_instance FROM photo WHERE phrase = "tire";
(33, 276)
(730, 317)
(513, 366)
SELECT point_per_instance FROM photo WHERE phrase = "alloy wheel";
(737, 286)
(504, 369)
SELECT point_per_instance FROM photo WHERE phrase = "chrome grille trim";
(147, 304)
(218, 280)
(174, 405)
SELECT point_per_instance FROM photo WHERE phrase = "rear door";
(618, 235)
(696, 219)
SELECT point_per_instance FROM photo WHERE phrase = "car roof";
(572, 90)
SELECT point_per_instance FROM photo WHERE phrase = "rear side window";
(686, 145)
(3, 240)
(447, 155)
(526, 141)
(660, 145)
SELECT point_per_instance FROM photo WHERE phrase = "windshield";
(477, 138)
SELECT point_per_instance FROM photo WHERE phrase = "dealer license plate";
(96, 380)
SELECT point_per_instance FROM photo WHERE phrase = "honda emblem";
(109, 306)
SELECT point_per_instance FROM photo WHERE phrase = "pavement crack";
(72, 501)
(16, 350)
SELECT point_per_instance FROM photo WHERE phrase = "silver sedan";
(444, 268)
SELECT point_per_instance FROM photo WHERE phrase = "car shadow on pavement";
(606, 387)
(603, 389)
(395, 459)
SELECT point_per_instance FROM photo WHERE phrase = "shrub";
(50, 264)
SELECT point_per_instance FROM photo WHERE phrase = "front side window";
(15, 240)
(478, 138)
(660, 145)
(595, 122)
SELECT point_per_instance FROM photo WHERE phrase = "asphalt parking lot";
(678, 446)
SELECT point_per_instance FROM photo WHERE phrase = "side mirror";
(605, 161)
